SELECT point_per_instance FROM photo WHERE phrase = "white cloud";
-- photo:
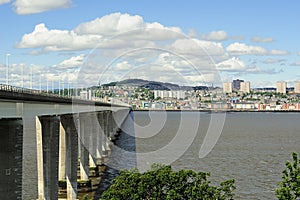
(197, 47)
(215, 36)
(243, 49)
(131, 27)
(57, 40)
(258, 39)
(278, 52)
(112, 24)
(99, 33)
(272, 61)
(233, 64)
(298, 53)
(123, 66)
(4, 1)
(73, 62)
(24, 7)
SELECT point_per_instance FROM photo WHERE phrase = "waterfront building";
(245, 87)
(281, 87)
(84, 94)
(227, 87)
(297, 87)
(177, 94)
(237, 84)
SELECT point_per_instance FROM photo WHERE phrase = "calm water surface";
(252, 148)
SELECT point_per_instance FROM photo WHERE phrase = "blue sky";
(190, 42)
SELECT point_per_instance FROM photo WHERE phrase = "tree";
(161, 182)
(290, 184)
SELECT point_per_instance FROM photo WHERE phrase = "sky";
(83, 43)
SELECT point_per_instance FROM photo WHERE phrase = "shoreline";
(220, 111)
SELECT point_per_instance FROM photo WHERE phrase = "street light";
(31, 77)
(7, 63)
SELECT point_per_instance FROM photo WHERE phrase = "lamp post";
(7, 63)
(22, 76)
(40, 82)
(31, 78)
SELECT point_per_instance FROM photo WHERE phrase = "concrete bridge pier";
(83, 145)
(100, 136)
(68, 154)
(105, 137)
(92, 131)
(47, 134)
(11, 149)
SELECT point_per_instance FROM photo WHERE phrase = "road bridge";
(44, 138)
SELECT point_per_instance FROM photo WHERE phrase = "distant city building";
(87, 95)
(227, 87)
(83, 94)
(281, 87)
(237, 84)
(177, 94)
(297, 87)
(245, 87)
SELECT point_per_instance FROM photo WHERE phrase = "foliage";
(161, 182)
(290, 184)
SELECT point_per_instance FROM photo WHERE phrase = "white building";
(297, 87)
(227, 87)
(245, 87)
(169, 94)
(281, 87)
(87, 95)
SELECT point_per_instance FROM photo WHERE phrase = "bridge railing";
(10, 88)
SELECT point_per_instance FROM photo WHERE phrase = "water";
(252, 147)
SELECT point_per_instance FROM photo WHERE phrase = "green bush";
(161, 182)
(290, 184)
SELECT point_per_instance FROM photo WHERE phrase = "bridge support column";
(69, 154)
(105, 138)
(100, 136)
(111, 126)
(47, 134)
(83, 151)
(92, 132)
(11, 148)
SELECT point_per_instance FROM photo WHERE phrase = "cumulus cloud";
(57, 40)
(73, 62)
(111, 24)
(243, 49)
(197, 47)
(131, 27)
(233, 64)
(24, 7)
(258, 39)
(215, 36)
(298, 53)
(112, 31)
(4, 1)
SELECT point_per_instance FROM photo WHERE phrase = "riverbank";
(220, 111)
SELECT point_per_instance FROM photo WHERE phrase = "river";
(250, 147)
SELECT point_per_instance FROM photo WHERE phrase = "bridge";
(44, 138)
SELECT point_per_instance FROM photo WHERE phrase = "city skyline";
(189, 43)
